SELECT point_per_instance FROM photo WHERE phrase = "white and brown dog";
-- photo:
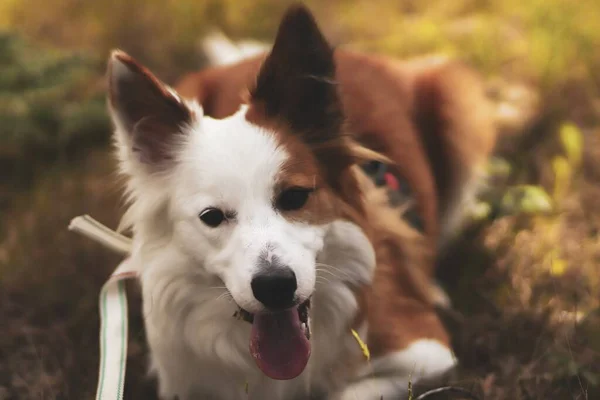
(260, 242)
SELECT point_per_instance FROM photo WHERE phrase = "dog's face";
(241, 214)
(248, 198)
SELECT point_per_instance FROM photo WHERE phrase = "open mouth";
(303, 311)
(280, 341)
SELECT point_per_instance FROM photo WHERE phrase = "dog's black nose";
(275, 287)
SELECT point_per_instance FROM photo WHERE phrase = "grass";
(527, 296)
(51, 108)
(50, 280)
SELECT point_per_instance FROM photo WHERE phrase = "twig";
(448, 389)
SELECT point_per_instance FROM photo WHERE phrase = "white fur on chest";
(200, 350)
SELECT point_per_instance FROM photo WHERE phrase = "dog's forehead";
(233, 152)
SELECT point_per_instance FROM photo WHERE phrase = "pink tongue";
(278, 344)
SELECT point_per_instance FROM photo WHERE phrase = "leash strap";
(113, 310)
(113, 334)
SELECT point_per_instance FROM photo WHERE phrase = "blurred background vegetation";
(526, 296)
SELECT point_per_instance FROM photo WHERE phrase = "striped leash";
(113, 309)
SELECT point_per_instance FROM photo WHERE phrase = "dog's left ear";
(150, 118)
(296, 83)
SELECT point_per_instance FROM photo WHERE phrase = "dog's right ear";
(149, 116)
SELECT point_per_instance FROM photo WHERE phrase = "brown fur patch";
(303, 170)
(445, 94)
(294, 97)
(295, 93)
(342, 200)
(220, 90)
(399, 303)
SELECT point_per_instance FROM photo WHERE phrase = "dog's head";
(247, 198)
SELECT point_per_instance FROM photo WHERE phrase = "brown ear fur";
(296, 81)
(150, 115)
(296, 90)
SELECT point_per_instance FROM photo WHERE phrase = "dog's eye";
(212, 217)
(293, 198)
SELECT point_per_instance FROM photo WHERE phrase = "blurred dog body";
(246, 199)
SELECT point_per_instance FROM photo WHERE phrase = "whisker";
(225, 295)
(335, 269)
(323, 281)
(329, 272)
(332, 267)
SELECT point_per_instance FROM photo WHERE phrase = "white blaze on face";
(233, 165)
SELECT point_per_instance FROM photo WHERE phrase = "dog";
(264, 250)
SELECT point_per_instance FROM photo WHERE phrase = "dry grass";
(527, 297)
(49, 284)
